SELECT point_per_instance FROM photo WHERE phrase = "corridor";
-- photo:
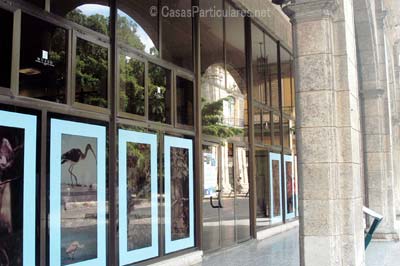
(282, 250)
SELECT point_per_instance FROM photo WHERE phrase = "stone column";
(328, 133)
(376, 115)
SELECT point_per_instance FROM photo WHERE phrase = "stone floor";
(282, 250)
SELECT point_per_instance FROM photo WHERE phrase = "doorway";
(226, 217)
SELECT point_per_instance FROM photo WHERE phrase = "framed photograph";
(138, 196)
(17, 188)
(290, 195)
(275, 187)
(77, 194)
(179, 197)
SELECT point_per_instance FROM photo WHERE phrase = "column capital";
(305, 10)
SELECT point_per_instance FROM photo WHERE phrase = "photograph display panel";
(179, 197)
(77, 194)
(17, 188)
(275, 187)
(138, 199)
(290, 194)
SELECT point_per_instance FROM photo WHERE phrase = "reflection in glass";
(258, 125)
(38, 3)
(211, 221)
(276, 130)
(289, 188)
(276, 188)
(139, 196)
(286, 132)
(6, 29)
(43, 66)
(131, 84)
(242, 203)
(287, 82)
(93, 16)
(260, 65)
(136, 27)
(11, 192)
(177, 34)
(180, 193)
(267, 127)
(262, 186)
(223, 108)
(79, 199)
(184, 101)
(159, 94)
(212, 36)
(91, 73)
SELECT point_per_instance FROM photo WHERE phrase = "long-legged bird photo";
(73, 157)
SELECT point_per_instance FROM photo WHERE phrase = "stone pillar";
(376, 115)
(328, 133)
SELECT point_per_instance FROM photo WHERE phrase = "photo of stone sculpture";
(11, 195)
(179, 193)
(78, 199)
(138, 195)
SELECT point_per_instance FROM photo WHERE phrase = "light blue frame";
(29, 124)
(171, 246)
(275, 157)
(59, 127)
(125, 256)
(289, 215)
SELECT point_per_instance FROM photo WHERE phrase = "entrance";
(226, 219)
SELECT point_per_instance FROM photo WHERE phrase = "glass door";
(211, 198)
(242, 194)
(226, 219)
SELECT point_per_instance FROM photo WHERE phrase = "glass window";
(262, 186)
(6, 29)
(177, 33)
(287, 82)
(286, 132)
(131, 84)
(258, 125)
(212, 40)
(272, 72)
(89, 14)
(91, 74)
(39, 3)
(184, 101)
(159, 94)
(259, 64)
(43, 63)
(236, 71)
(276, 130)
(180, 193)
(137, 25)
(267, 127)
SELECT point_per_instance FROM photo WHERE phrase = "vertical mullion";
(251, 172)
(283, 188)
(16, 45)
(198, 157)
(112, 237)
(43, 190)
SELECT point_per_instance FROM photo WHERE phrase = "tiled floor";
(282, 250)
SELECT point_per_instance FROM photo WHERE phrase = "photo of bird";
(7, 154)
(73, 248)
(74, 156)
